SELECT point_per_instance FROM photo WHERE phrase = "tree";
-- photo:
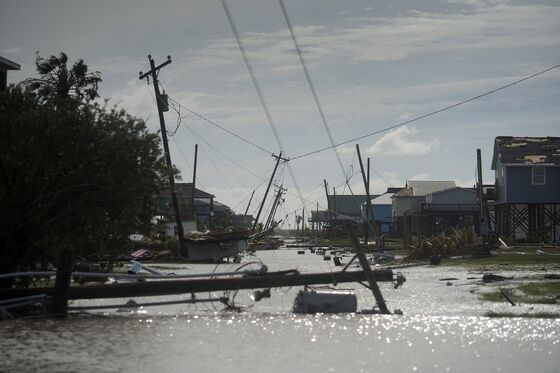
(72, 175)
(58, 81)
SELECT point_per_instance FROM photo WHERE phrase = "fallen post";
(170, 287)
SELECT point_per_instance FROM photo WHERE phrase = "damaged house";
(527, 204)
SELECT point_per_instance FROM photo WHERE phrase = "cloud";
(13, 50)
(421, 176)
(398, 142)
(366, 39)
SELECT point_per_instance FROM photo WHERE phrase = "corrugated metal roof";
(526, 150)
(454, 188)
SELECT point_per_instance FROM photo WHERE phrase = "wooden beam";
(170, 287)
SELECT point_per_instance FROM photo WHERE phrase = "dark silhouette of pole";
(368, 200)
(328, 202)
(62, 282)
(247, 209)
(484, 212)
(370, 276)
(153, 73)
(193, 207)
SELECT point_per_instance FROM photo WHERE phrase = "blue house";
(382, 210)
(527, 201)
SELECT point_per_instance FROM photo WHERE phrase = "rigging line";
(221, 127)
(187, 162)
(310, 83)
(214, 165)
(259, 92)
(430, 113)
(199, 137)
(316, 200)
(221, 153)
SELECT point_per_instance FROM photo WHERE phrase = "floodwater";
(443, 329)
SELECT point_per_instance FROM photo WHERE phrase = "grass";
(513, 258)
(533, 293)
(536, 315)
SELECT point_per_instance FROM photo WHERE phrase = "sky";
(373, 65)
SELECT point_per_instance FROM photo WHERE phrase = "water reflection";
(281, 342)
(443, 330)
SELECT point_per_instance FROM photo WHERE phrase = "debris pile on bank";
(455, 242)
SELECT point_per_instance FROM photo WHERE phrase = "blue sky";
(373, 63)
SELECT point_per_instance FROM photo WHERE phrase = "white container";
(325, 302)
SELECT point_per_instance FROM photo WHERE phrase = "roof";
(472, 190)
(217, 205)
(404, 192)
(423, 187)
(185, 189)
(384, 199)
(348, 204)
(526, 151)
(6, 64)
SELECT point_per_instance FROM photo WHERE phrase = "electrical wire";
(310, 83)
(259, 92)
(221, 127)
(428, 114)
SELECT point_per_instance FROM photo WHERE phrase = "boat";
(215, 246)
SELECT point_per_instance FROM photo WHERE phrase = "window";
(539, 176)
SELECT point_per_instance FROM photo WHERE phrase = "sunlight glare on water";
(443, 330)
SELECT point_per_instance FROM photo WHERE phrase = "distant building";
(347, 209)
(382, 210)
(407, 201)
(527, 186)
(204, 204)
(6, 65)
(454, 207)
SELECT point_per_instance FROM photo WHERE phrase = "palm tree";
(58, 81)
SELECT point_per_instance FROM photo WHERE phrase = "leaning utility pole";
(154, 73)
(328, 205)
(193, 207)
(368, 200)
(278, 158)
(484, 212)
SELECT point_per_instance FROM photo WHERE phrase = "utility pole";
(335, 213)
(368, 199)
(278, 158)
(247, 209)
(317, 220)
(193, 206)
(328, 203)
(484, 212)
(154, 73)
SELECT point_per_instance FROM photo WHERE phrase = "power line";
(222, 128)
(259, 92)
(310, 83)
(252, 74)
(429, 114)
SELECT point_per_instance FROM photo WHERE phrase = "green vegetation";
(511, 259)
(73, 173)
(537, 315)
(533, 293)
